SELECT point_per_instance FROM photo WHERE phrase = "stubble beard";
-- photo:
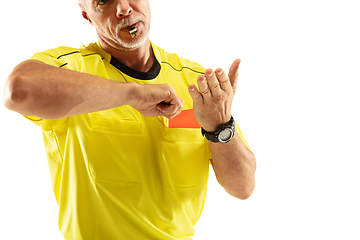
(134, 43)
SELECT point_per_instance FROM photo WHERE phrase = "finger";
(177, 112)
(173, 99)
(234, 73)
(225, 84)
(204, 87)
(170, 107)
(195, 94)
(170, 103)
(169, 110)
(213, 82)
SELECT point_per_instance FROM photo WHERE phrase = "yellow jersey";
(117, 174)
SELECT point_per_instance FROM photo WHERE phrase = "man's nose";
(123, 9)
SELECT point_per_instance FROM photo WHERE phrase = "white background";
(297, 104)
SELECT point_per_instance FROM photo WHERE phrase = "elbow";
(246, 194)
(15, 94)
(242, 192)
(241, 195)
(25, 94)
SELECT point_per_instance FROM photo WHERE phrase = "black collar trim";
(151, 74)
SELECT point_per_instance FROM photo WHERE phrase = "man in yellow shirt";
(127, 132)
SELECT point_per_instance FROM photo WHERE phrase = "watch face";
(225, 135)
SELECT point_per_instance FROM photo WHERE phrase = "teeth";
(133, 32)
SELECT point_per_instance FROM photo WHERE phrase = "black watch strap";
(223, 134)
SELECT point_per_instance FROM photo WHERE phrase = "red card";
(185, 119)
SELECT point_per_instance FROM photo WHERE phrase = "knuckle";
(215, 86)
(198, 98)
(168, 87)
(205, 92)
(221, 98)
(226, 80)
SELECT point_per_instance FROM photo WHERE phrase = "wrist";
(223, 134)
(132, 93)
(214, 127)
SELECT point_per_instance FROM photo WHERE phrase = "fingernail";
(219, 73)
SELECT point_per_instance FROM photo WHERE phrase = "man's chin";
(133, 44)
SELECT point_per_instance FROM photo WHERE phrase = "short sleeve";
(47, 58)
(47, 125)
(238, 131)
(35, 120)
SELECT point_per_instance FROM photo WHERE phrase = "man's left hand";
(213, 99)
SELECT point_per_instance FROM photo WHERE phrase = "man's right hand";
(157, 100)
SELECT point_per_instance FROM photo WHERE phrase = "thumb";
(234, 73)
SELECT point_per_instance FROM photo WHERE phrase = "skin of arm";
(40, 90)
(234, 164)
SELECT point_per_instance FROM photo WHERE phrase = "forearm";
(40, 90)
(234, 165)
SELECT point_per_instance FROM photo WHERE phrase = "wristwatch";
(223, 134)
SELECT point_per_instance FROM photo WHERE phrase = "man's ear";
(86, 16)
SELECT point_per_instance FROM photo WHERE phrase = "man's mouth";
(132, 26)
(133, 30)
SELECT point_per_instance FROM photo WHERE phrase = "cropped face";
(114, 18)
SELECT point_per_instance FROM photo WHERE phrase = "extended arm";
(40, 90)
(234, 164)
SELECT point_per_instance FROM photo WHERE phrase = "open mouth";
(132, 26)
(133, 30)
